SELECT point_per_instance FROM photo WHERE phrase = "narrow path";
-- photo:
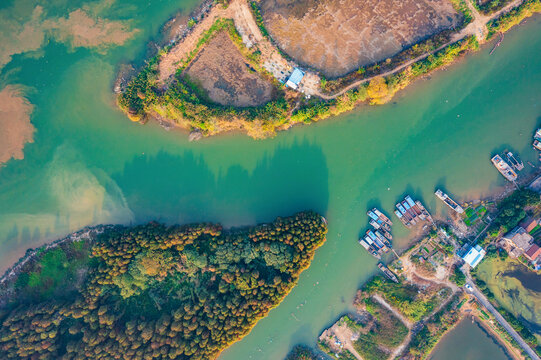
(484, 302)
(402, 318)
(396, 313)
(396, 353)
(352, 350)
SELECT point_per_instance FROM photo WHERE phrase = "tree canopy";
(152, 291)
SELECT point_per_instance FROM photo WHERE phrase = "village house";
(517, 241)
(529, 224)
(533, 254)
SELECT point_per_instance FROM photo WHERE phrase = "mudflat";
(15, 127)
(337, 37)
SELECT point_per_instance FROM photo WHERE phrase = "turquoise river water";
(89, 164)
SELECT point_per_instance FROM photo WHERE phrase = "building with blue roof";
(474, 255)
(295, 78)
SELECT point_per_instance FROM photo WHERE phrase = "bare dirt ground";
(15, 126)
(343, 333)
(221, 71)
(337, 37)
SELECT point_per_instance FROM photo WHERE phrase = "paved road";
(484, 301)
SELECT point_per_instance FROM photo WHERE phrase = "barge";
(504, 168)
(388, 273)
(378, 239)
(449, 202)
(379, 219)
(411, 212)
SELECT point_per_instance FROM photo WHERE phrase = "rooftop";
(519, 237)
(474, 255)
(295, 78)
(528, 224)
(533, 252)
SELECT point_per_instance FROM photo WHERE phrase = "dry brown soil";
(337, 37)
(221, 71)
(15, 126)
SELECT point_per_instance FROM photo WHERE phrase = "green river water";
(89, 164)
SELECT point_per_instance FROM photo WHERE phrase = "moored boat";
(411, 212)
(388, 272)
(448, 201)
(504, 168)
(515, 161)
(377, 240)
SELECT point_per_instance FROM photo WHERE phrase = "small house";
(533, 253)
(529, 224)
(517, 241)
(473, 255)
(295, 78)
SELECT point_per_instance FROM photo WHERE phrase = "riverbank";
(163, 90)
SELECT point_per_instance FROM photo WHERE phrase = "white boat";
(504, 168)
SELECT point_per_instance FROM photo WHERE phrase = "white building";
(474, 255)
(295, 78)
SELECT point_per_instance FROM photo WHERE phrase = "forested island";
(261, 67)
(152, 291)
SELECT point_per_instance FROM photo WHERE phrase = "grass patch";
(433, 329)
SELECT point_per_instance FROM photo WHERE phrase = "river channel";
(89, 164)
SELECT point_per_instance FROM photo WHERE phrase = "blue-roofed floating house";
(295, 78)
(473, 255)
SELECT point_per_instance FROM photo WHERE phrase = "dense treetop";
(151, 291)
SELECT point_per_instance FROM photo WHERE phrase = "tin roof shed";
(295, 78)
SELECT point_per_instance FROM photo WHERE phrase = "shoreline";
(204, 118)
